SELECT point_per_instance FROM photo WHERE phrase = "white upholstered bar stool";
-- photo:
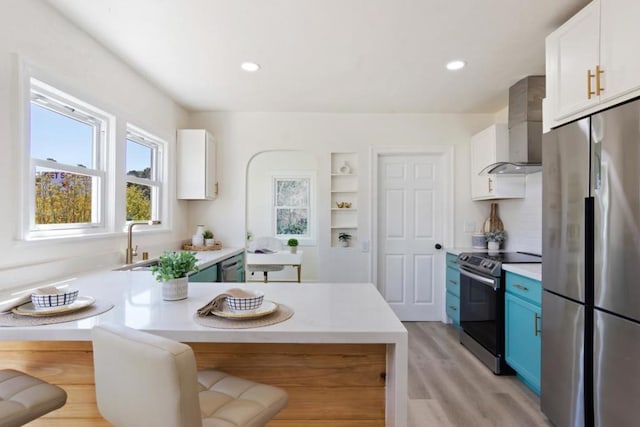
(147, 380)
(24, 398)
(270, 244)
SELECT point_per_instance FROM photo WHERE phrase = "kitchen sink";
(138, 266)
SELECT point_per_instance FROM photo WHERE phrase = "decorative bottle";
(493, 223)
(197, 239)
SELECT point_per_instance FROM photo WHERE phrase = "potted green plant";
(172, 271)
(293, 245)
(495, 239)
(208, 238)
(344, 239)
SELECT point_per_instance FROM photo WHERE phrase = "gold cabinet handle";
(522, 288)
(599, 88)
(589, 77)
(453, 282)
(490, 185)
(536, 331)
(452, 308)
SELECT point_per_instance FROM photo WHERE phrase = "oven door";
(480, 315)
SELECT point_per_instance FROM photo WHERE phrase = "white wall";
(241, 135)
(33, 33)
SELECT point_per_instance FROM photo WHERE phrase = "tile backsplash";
(522, 218)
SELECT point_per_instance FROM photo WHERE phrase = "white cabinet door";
(487, 147)
(197, 179)
(619, 36)
(572, 55)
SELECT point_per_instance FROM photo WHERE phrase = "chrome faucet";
(131, 251)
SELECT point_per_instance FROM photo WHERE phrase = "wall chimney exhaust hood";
(525, 129)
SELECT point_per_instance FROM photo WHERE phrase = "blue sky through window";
(69, 141)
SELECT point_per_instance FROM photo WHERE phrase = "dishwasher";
(232, 269)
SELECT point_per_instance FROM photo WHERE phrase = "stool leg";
(265, 277)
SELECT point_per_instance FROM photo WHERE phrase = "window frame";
(157, 180)
(307, 239)
(65, 104)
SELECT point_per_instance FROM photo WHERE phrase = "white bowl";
(47, 298)
(245, 303)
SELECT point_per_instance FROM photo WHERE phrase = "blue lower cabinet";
(452, 284)
(522, 339)
(209, 274)
(453, 281)
(453, 308)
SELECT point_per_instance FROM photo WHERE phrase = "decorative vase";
(294, 249)
(493, 223)
(493, 246)
(344, 243)
(209, 242)
(176, 289)
(197, 239)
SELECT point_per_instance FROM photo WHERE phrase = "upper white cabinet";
(487, 147)
(197, 179)
(591, 62)
(571, 59)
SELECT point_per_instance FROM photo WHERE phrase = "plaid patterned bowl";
(44, 300)
(249, 303)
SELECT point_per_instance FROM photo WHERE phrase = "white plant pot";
(344, 243)
(176, 289)
(493, 246)
(209, 242)
(294, 249)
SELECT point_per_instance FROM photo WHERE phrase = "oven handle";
(484, 280)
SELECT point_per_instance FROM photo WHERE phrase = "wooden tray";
(216, 247)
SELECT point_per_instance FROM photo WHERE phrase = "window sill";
(30, 241)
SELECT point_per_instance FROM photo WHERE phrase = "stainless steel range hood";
(525, 129)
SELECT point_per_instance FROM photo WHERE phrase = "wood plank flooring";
(449, 387)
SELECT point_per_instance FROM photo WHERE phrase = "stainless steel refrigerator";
(591, 270)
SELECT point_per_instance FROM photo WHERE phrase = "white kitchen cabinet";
(591, 61)
(572, 55)
(619, 35)
(196, 152)
(487, 147)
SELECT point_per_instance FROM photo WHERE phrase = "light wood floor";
(448, 386)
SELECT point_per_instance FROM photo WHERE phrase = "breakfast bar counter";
(342, 356)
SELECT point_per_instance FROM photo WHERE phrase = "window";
(67, 168)
(292, 206)
(143, 175)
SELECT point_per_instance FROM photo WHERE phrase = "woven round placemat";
(10, 319)
(280, 315)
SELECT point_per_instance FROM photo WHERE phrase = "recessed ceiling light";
(250, 67)
(455, 65)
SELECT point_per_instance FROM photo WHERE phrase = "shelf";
(344, 188)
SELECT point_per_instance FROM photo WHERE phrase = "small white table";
(285, 258)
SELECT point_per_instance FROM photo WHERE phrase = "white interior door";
(410, 224)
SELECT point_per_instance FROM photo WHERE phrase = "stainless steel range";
(482, 304)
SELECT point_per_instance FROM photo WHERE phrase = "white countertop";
(324, 312)
(533, 271)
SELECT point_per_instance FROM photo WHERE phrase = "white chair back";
(144, 380)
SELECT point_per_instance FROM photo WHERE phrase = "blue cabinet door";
(522, 339)
(453, 308)
(452, 284)
(209, 274)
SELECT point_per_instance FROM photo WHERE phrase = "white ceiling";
(328, 55)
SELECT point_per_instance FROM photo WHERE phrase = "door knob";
(438, 246)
